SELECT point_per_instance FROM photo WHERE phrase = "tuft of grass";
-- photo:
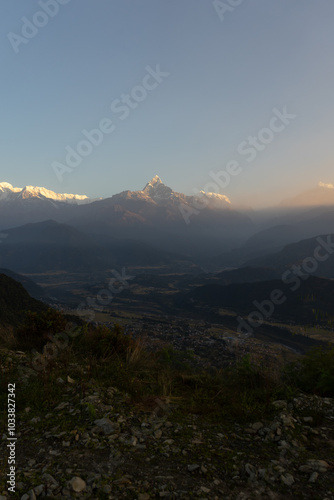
(91, 411)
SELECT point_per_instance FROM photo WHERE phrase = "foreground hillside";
(99, 415)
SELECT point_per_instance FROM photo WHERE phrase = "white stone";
(77, 484)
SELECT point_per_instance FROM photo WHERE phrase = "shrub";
(104, 343)
(34, 331)
(314, 372)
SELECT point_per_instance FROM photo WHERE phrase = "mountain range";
(9, 193)
(155, 215)
(205, 228)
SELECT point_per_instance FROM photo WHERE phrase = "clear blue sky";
(225, 78)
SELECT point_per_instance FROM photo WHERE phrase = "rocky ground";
(96, 444)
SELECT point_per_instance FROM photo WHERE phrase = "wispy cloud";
(323, 184)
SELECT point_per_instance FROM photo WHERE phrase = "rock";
(192, 467)
(280, 404)
(288, 421)
(77, 484)
(62, 405)
(251, 471)
(287, 479)
(133, 441)
(168, 441)
(123, 480)
(257, 426)
(32, 495)
(304, 468)
(318, 465)
(158, 434)
(39, 489)
(308, 419)
(34, 420)
(49, 479)
(105, 425)
(25, 497)
(143, 496)
(313, 477)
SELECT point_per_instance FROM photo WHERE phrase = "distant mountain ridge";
(10, 193)
(52, 246)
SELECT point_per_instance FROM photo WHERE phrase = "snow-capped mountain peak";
(216, 197)
(154, 182)
(157, 190)
(8, 192)
(6, 186)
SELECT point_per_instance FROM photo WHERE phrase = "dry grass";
(8, 338)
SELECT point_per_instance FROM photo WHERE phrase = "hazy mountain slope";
(268, 240)
(323, 194)
(280, 230)
(30, 286)
(14, 300)
(295, 254)
(51, 246)
(310, 304)
(47, 246)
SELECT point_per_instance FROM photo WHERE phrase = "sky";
(100, 96)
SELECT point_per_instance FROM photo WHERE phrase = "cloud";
(323, 184)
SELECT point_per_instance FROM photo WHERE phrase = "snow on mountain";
(6, 185)
(158, 191)
(154, 182)
(216, 197)
(9, 193)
